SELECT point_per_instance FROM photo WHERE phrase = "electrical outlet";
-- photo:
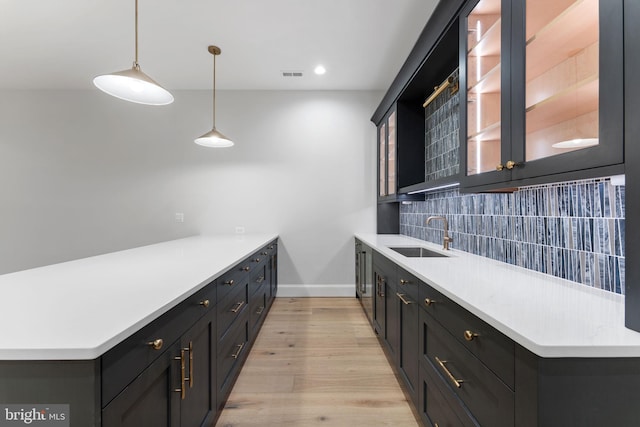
(179, 217)
(239, 230)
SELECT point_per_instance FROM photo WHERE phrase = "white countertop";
(80, 309)
(549, 316)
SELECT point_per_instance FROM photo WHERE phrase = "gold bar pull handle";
(182, 390)
(190, 379)
(404, 301)
(429, 301)
(237, 307)
(260, 310)
(260, 279)
(237, 353)
(456, 382)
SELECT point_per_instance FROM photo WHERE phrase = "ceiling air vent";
(292, 74)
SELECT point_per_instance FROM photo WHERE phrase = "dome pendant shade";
(213, 138)
(133, 85)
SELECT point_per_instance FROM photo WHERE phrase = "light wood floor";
(316, 361)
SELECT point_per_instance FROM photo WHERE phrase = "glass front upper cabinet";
(483, 83)
(561, 76)
(387, 140)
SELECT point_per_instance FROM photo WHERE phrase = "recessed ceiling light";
(319, 70)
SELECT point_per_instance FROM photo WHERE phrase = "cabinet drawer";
(409, 284)
(489, 400)
(492, 347)
(232, 308)
(233, 349)
(123, 363)
(232, 279)
(258, 307)
(438, 406)
(257, 278)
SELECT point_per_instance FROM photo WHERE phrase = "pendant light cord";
(135, 64)
(214, 90)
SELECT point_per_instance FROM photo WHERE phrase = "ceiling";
(63, 44)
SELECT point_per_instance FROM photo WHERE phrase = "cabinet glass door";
(391, 154)
(562, 76)
(382, 155)
(483, 65)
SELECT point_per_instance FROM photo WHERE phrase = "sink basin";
(418, 252)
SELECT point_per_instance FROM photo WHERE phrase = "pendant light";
(213, 138)
(133, 85)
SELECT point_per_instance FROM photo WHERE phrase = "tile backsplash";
(573, 230)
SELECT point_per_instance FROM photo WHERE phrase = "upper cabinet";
(544, 90)
(387, 182)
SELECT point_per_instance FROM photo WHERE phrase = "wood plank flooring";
(315, 362)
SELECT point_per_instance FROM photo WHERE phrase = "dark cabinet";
(152, 399)
(170, 374)
(543, 89)
(460, 371)
(408, 361)
(198, 354)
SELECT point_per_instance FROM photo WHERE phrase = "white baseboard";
(302, 291)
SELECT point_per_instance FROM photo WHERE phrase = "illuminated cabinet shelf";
(544, 90)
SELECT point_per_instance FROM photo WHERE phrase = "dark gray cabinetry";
(558, 87)
(407, 293)
(176, 371)
(460, 371)
(632, 153)
(364, 278)
(150, 399)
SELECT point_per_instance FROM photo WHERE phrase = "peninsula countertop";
(549, 316)
(78, 310)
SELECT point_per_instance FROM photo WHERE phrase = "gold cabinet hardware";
(156, 344)
(182, 390)
(405, 282)
(190, 379)
(271, 247)
(256, 260)
(229, 282)
(237, 307)
(245, 268)
(260, 279)
(264, 253)
(429, 301)
(456, 382)
(204, 303)
(260, 310)
(404, 301)
(238, 351)
(469, 335)
(511, 164)
(500, 167)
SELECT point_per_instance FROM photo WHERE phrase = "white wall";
(82, 173)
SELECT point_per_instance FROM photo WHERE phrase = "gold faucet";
(446, 240)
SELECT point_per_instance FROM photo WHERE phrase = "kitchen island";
(85, 333)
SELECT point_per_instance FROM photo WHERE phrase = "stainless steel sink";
(417, 252)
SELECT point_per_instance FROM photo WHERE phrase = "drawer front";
(123, 363)
(232, 279)
(438, 406)
(489, 400)
(409, 284)
(233, 349)
(492, 347)
(232, 308)
(258, 277)
(258, 307)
